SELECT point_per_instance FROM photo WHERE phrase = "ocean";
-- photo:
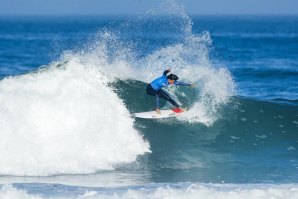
(70, 84)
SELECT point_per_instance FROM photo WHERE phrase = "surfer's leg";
(152, 92)
(165, 96)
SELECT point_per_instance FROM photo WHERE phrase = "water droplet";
(243, 119)
(235, 138)
(291, 148)
(261, 136)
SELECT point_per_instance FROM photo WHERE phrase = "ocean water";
(69, 86)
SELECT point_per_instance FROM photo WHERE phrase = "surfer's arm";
(182, 83)
(166, 72)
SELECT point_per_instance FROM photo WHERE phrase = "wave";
(68, 112)
(56, 118)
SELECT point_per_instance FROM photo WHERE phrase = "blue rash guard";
(163, 82)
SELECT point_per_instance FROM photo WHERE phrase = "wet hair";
(172, 77)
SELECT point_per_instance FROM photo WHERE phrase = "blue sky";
(103, 7)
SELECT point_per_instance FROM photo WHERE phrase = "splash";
(189, 59)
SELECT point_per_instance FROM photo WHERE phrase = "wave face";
(253, 141)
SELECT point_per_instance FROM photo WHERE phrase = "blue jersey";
(160, 82)
(163, 82)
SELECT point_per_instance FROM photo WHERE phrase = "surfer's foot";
(157, 111)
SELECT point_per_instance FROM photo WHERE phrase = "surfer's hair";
(172, 77)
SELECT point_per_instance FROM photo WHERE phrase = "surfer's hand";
(193, 85)
(169, 69)
(157, 111)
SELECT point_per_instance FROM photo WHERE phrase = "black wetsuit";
(160, 93)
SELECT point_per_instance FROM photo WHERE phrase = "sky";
(114, 7)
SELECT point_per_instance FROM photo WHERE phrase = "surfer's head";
(172, 78)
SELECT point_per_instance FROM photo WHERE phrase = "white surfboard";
(154, 115)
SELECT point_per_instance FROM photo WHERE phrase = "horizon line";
(126, 14)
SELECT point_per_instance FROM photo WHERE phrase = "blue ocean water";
(69, 84)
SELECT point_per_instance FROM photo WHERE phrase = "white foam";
(192, 191)
(9, 192)
(215, 88)
(64, 119)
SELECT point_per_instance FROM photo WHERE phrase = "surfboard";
(154, 115)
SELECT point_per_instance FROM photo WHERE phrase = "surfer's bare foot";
(157, 111)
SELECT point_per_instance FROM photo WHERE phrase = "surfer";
(154, 89)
